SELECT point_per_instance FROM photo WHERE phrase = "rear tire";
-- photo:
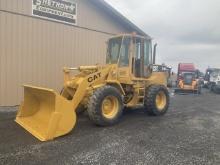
(156, 100)
(105, 106)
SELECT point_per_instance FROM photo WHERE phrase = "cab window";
(147, 53)
(124, 55)
(114, 47)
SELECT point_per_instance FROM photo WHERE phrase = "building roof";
(113, 12)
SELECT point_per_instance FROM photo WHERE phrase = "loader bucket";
(45, 114)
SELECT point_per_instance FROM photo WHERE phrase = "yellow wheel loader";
(126, 80)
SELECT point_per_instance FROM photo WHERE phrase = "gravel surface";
(188, 134)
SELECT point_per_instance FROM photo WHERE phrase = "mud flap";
(45, 114)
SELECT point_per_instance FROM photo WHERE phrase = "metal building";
(39, 37)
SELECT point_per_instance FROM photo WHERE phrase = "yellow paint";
(47, 114)
(161, 100)
(110, 107)
(193, 86)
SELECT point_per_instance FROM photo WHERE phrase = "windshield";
(114, 47)
(188, 78)
(216, 73)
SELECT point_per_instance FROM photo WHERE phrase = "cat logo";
(94, 77)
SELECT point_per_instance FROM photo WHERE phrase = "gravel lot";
(188, 134)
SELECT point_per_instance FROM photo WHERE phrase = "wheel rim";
(161, 100)
(110, 107)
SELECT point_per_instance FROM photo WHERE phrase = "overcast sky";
(185, 30)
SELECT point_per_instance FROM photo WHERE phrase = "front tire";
(199, 89)
(105, 106)
(216, 90)
(156, 100)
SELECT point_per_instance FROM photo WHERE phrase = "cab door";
(124, 68)
(142, 58)
(147, 58)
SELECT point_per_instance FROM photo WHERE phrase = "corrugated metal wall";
(34, 50)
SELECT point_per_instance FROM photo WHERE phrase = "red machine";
(187, 79)
(183, 68)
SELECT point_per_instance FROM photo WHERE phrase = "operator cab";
(215, 73)
(131, 53)
(188, 78)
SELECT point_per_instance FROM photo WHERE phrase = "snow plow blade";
(45, 114)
